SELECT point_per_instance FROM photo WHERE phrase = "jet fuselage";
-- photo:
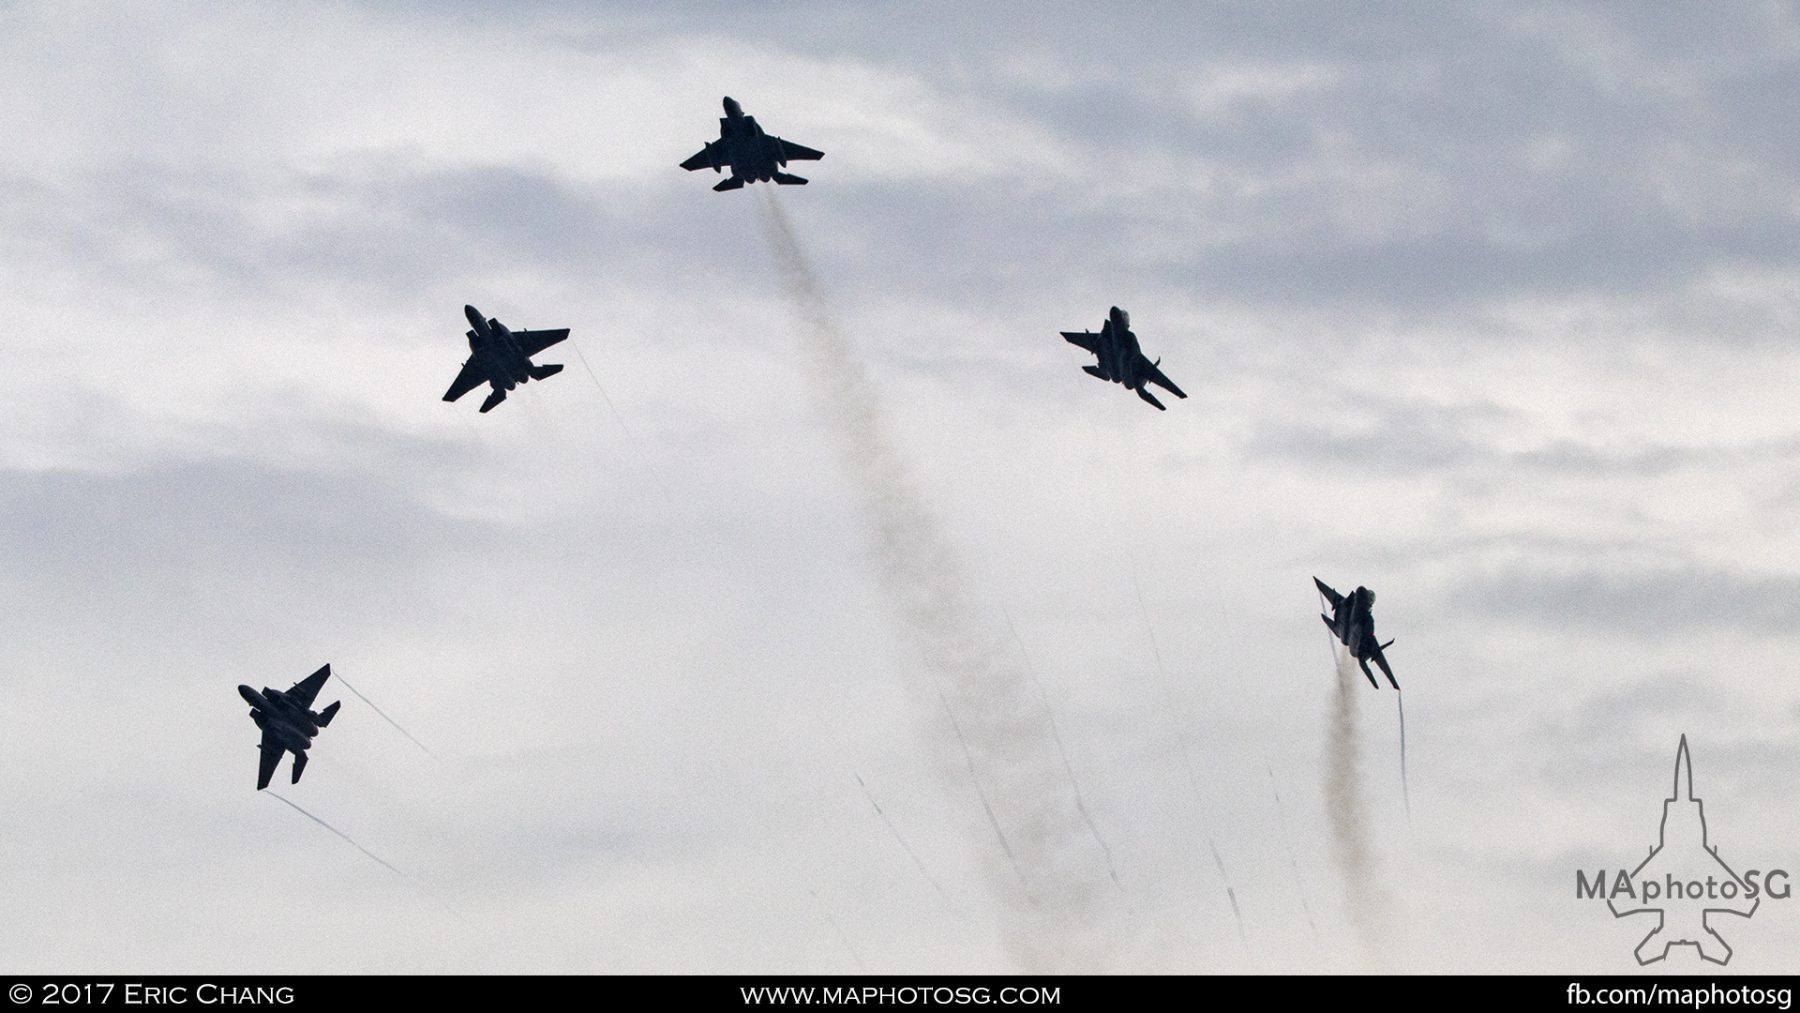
(273, 712)
(1353, 622)
(746, 148)
(1119, 354)
(494, 346)
(750, 153)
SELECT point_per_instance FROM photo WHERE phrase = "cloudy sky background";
(1490, 308)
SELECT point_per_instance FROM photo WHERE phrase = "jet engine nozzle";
(253, 698)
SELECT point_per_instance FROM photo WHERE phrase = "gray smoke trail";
(1056, 735)
(1344, 805)
(384, 717)
(1287, 842)
(1230, 895)
(340, 833)
(999, 731)
(1364, 898)
(835, 927)
(910, 853)
(1405, 790)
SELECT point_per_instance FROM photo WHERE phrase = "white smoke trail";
(997, 731)
(381, 861)
(918, 863)
(384, 717)
(346, 837)
(835, 927)
(1287, 842)
(1168, 688)
(981, 793)
(620, 419)
(1230, 895)
(1405, 789)
(637, 445)
(1187, 760)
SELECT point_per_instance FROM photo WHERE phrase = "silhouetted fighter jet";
(1352, 622)
(287, 721)
(501, 358)
(1120, 359)
(751, 154)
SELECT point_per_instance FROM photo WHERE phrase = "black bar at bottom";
(1049, 991)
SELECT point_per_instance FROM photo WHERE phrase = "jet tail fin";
(545, 371)
(328, 713)
(299, 765)
(493, 399)
(1151, 398)
(788, 179)
(734, 183)
(1371, 675)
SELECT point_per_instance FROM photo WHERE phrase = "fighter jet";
(751, 154)
(288, 722)
(501, 358)
(1120, 359)
(1352, 622)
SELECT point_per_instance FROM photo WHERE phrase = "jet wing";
(703, 159)
(1331, 596)
(307, 690)
(797, 152)
(471, 377)
(271, 755)
(533, 342)
(1155, 376)
(1380, 660)
(1086, 339)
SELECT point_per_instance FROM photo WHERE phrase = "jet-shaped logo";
(1683, 881)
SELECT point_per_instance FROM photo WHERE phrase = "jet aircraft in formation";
(288, 722)
(1353, 623)
(751, 154)
(501, 358)
(1121, 361)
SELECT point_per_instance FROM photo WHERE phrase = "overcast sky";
(1490, 307)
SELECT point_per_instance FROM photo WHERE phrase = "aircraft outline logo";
(1689, 814)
